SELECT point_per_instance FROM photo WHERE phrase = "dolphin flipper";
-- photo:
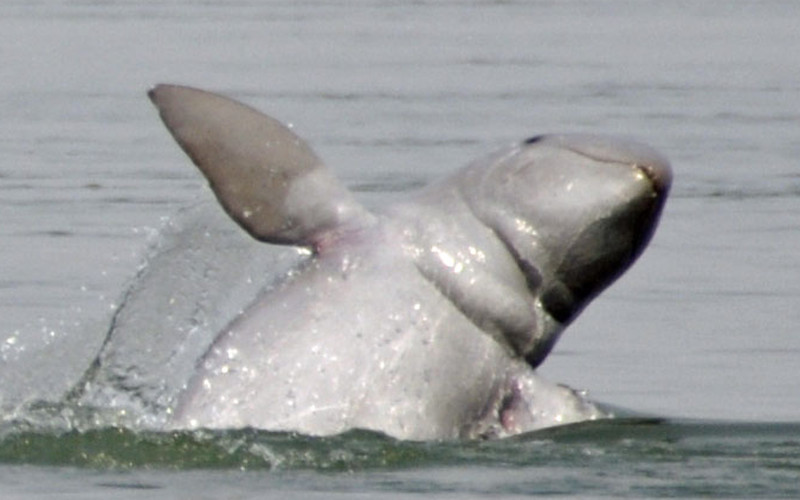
(266, 177)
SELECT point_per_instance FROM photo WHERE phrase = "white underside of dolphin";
(424, 321)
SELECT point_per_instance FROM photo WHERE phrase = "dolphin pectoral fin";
(266, 177)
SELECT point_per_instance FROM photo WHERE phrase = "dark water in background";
(394, 95)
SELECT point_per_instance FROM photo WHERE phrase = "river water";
(702, 332)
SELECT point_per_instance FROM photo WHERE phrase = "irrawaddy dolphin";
(426, 320)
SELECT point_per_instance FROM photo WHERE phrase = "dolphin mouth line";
(659, 180)
(597, 158)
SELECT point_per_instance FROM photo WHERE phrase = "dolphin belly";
(348, 344)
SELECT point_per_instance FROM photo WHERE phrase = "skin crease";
(424, 321)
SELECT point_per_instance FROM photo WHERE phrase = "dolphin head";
(574, 211)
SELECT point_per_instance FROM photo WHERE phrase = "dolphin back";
(266, 178)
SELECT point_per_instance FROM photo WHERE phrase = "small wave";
(61, 442)
(61, 435)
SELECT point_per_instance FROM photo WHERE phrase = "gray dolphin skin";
(426, 320)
